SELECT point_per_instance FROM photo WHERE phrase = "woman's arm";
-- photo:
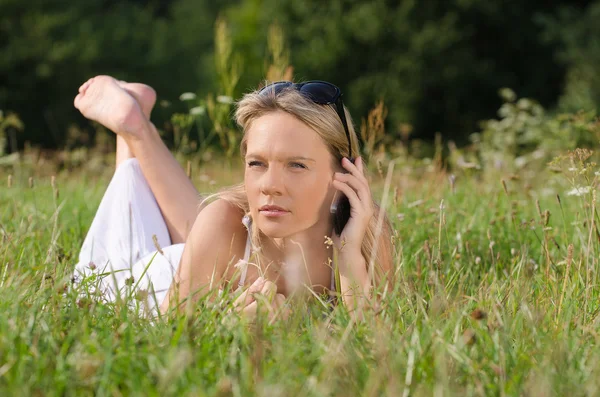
(355, 277)
(216, 241)
(177, 197)
(357, 287)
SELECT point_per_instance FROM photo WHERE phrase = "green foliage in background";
(524, 132)
(9, 125)
(577, 33)
(437, 65)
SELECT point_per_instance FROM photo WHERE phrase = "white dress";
(122, 244)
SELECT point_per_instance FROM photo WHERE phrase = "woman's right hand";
(262, 293)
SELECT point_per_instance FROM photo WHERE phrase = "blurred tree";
(50, 47)
(577, 33)
(437, 64)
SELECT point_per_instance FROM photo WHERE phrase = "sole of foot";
(143, 94)
(102, 99)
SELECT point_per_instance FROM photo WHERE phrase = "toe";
(85, 85)
(77, 100)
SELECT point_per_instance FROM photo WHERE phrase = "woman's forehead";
(282, 134)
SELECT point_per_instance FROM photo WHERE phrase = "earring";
(246, 220)
(334, 204)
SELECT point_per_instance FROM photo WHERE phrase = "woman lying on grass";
(272, 232)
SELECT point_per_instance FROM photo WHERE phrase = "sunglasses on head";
(320, 92)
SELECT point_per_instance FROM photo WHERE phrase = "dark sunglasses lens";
(321, 93)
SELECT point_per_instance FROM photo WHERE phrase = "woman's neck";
(303, 258)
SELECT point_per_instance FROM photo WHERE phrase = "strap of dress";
(332, 284)
(248, 223)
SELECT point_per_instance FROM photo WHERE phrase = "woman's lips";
(272, 211)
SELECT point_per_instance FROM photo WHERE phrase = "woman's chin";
(275, 230)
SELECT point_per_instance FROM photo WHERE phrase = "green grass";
(476, 311)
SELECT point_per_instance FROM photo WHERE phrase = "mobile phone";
(342, 213)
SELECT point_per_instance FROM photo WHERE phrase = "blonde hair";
(325, 121)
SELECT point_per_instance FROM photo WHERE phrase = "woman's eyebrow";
(289, 158)
(302, 158)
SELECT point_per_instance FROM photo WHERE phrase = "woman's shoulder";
(218, 238)
(223, 217)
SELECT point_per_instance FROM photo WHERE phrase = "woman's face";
(288, 175)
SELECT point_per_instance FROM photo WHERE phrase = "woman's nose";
(271, 183)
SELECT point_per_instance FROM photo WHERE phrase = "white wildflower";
(597, 173)
(187, 96)
(547, 191)
(224, 99)
(572, 169)
(579, 191)
(538, 154)
(197, 111)
(241, 264)
(520, 161)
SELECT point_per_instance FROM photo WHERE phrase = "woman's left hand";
(356, 187)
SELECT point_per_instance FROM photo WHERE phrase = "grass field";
(497, 295)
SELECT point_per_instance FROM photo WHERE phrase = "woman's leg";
(145, 96)
(102, 99)
(127, 226)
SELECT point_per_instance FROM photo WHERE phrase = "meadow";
(496, 293)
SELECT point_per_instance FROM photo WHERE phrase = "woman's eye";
(254, 163)
(298, 165)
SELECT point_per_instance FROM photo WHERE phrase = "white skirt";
(128, 244)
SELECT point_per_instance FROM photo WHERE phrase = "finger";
(256, 287)
(278, 308)
(85, 85)
(353, 169)
(279, 302)
(363, 191)
(250, 311)
(361, 179)
(248, 295)
(284, 310)
(269, 290)
(360, 165)
(355, 201)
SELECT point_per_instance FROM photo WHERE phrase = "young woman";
(270, 232)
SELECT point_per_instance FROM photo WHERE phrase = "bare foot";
(102, 99)
(146, 98)
(85, 85)
(143, 94)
